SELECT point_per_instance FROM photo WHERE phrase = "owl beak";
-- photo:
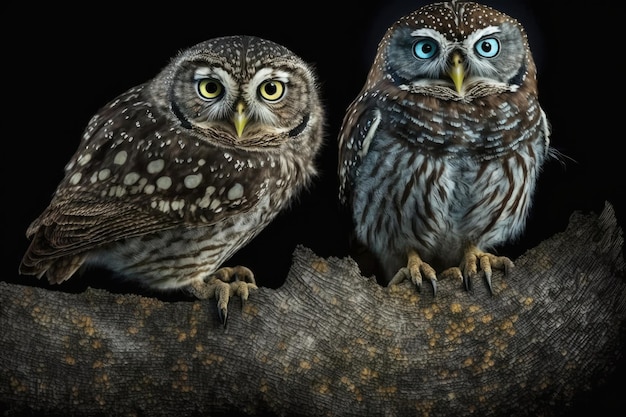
(240, 120)
(457, 71)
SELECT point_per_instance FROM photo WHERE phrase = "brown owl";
(440, 153)
(175, 175)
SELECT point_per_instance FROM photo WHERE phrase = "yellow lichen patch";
(500, 344)
(428, 313)
(132, 330)
(371, 351)
(474, 308)
(320, 265)
(17, 386)
(456, 308)
(486, 318)
(488, 361)
(433, 337)
(211, 359)
(85, 323)
(100, 400)
(508, 325)
(70, 360)
(75, 391)
(182, 384)
(468, 362)
(182, 336)
(148, 304)
(102, 380)
(199, 347)
(306, 365)
(322, 387)
(528, 301)
(407, 292)
(432, 342)
(352, 388)
(263, 357)
(444, 374)
(452, 332)
(264, 386)
(67, 343)
(367, 374)
(469, 324)
(543, 261)
(251, 310)
(180, 366)
(424, 407)
(395, 353)
(182, 387)
(97, 364)
(26, 298)
(40, 317)
(96, 343)
(387, 390)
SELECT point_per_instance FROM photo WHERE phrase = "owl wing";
(358, 128)
(128, 179)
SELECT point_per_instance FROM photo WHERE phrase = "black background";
(63, 64)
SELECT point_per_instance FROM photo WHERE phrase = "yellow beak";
(457, 71)
(240, 120)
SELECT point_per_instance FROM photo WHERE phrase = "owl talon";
(222, 285)
(415, 269)
(223, 315)
(487, 261)
(467, 283)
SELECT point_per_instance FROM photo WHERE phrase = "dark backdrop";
(63, 64)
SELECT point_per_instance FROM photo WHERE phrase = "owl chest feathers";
(468, 176)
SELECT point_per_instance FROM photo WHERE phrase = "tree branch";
(331, 342)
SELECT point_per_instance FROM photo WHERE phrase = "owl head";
(242, 91)
(455, 49)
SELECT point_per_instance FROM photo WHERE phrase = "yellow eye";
(272, 90)
(209, 88)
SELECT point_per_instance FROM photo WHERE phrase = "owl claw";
(222, 285)
(223, 315)
(474, 258)
(415, 269)
(488, 281)
(467, 282)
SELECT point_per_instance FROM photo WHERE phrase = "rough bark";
(330, 342)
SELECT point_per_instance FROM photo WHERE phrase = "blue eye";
(425, 48)
(488, 47)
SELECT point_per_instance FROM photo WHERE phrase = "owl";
(175, 175)
(440, 153)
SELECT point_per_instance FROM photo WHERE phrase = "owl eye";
(425, 48)
(488, 47)
(272, 90)
(209, 88)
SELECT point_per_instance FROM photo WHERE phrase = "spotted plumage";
(440, 152)
(175, 175)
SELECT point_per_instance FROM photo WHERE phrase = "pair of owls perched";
(438, 158)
